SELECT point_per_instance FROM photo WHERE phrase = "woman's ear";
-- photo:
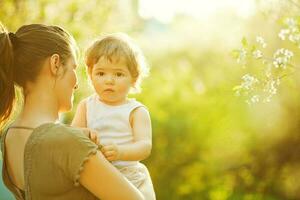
(55, 64)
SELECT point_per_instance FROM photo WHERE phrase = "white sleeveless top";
(111, 122)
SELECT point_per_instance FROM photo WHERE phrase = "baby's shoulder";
(139, 111)
(137, 105)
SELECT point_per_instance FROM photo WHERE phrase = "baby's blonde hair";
(116, 46)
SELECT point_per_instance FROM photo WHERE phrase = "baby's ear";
(55, 64)
(133, 82)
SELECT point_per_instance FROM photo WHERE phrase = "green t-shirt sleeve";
(76, 149)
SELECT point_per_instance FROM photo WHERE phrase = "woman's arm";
(105, 181)
(140, 149)
(79, 119)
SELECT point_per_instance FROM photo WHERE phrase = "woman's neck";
(39, 108)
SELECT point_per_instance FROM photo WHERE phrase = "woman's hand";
(92, 134)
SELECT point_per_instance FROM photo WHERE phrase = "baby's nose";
(110, 79)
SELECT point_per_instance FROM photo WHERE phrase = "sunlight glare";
(165, 10)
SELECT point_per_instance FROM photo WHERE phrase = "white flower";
(268, 70)
(294, 37)
(294, 29)
(273, 90)
(260, 40)
(257, 54)
(282, 57)
(270, 87)
(248, 82)
(290, 22)
(283, 33)
(289, 54)
(242, 55)
(255, 99)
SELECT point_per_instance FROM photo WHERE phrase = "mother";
(43, 159)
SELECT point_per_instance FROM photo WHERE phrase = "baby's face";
(111, 80)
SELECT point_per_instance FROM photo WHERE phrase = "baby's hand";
(111, 152)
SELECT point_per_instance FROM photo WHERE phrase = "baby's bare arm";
(140, 148)
(79, 119)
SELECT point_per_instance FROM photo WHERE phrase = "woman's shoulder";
(61, 134)
(63, 130)
(61, 140)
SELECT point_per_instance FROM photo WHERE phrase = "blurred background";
(207, 142)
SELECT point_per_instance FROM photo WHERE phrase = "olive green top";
(54, 156)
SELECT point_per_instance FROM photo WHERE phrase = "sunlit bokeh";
(166, 10)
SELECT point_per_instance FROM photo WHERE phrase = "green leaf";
(236, 87)
(244, 42)
(235, 53)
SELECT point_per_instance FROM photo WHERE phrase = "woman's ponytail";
(21, 55)
(7, 88)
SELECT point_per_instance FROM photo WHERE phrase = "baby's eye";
(100, 73)
(119, 74)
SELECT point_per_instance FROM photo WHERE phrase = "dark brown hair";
(21, 57)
